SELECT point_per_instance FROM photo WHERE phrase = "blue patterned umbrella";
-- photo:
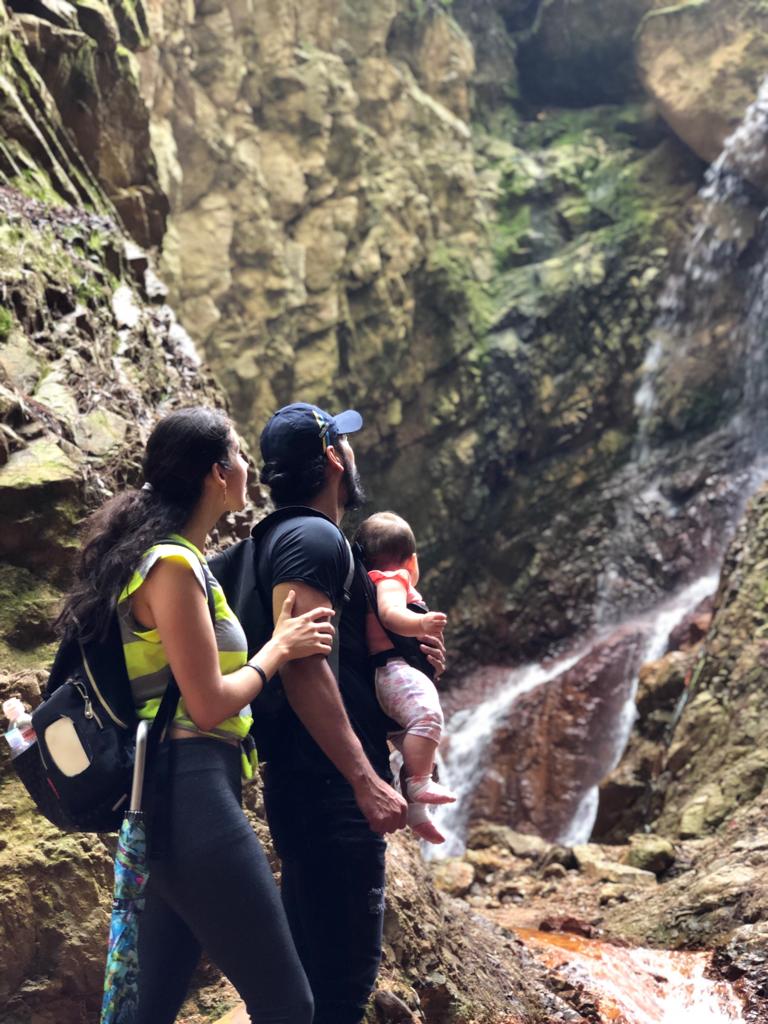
(121, 978)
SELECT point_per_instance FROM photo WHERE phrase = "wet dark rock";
(693, 628)
(630, 796)
(390, 1009)
(568, 924)
(557, 741)
(581, 53)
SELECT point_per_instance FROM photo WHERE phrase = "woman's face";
(237, 476)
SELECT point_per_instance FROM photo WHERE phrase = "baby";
(404, 691)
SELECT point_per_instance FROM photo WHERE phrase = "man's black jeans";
(332, 889)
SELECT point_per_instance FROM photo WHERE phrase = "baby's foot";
(424, 790)
(421, 823)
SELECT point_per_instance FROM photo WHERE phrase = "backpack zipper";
(97, 691)
(89, 708)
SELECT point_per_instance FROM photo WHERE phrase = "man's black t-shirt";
(312, 550)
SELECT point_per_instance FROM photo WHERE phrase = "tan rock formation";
(302, 163)
(702, 62)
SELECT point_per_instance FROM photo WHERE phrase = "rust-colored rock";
(558, 741)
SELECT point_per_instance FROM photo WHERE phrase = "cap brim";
(348, 422)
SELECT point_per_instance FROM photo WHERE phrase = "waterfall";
(470, 733)
(471, 729)
(657, 625)
(730, 221)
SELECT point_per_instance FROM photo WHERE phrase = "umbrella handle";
(138, 765)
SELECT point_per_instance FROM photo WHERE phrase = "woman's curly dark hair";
(180, 452)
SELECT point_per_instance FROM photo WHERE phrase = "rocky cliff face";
(386, 205)
(340, 231)
(89, 354)
(339, 228)
(716, 760)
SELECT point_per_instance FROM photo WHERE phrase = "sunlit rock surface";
(702, 61)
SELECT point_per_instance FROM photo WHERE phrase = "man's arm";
(313, 693)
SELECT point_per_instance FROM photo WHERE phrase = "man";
(327, 780)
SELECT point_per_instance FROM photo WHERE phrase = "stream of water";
(636, 985)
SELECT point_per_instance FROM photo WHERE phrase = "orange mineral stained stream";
(628, 986)
(638, 986)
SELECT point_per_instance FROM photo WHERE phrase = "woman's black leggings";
(210, 888)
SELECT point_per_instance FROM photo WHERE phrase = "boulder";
(702, 61)
(453, 876)
(485, 834)
(650, 853)
(593, 863)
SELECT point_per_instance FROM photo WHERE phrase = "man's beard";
(356, 496)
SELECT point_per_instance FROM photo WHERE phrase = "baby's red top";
(403, 576)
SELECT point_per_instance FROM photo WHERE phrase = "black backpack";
(79, 771)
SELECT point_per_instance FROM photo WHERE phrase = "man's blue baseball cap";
(301, 430)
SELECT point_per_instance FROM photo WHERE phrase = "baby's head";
(388, 543)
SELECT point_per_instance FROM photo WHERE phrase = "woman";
(210, 886)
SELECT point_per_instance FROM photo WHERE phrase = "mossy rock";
(40, 503)
(28, 606)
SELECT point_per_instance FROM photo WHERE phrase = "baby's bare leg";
(409, 697)
(418, 755)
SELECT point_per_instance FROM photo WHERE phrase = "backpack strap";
(333, 657)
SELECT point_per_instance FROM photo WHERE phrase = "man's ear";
(334, 458)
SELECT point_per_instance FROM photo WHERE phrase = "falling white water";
(728, 221)
(724, 228)
(471, 729)
(659, 624)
